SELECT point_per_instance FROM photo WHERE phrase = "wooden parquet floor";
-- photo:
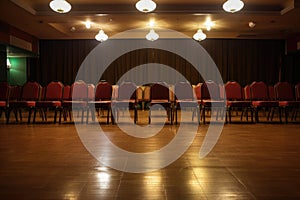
(250, 161)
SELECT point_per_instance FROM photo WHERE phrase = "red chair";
(4, 95)
(185, 99)
(102, 101)
(79, 93)
(126, 99)
(261, 100)
(30, 94)
(234, 99)
(52, 100)
(160, 94)
(209, 97)
(285, 96)
(67, 93)
(247, 93)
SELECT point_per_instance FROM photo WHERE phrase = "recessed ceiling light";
(72, 29)
(251, 24)
(208, 24)
(88, 24)
(151, 23)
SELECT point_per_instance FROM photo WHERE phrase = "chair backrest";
(4, 91)
(67, 92)
(31, 91)
(15, 92)
(159, 91)
(210, 90)
(197, 91)
(103, 91)
(259, 91)
(247, 93)
(79, 90)
(91, 92)
(54, 91)
(284, 91)
(147, 95)
(184, 91)
(271, 92)
(127, 91)
(233, 91)
(140, 93)
(222, 91)
(297, 91)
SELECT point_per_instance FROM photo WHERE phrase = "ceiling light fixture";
(60, 6)
(101, 36)
(151, 23)
(152, 35)
(251, 24)
(199, 35)
(145, 6)
(233, 5)
(88, 24)
(208, 24)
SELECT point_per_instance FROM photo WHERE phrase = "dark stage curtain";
(60, 59)
(241, 60)
(291, 68)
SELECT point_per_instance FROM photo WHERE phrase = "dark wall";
(240, 60)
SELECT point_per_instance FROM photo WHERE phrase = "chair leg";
(82, 115)
(251, 113)
(284, 109)
(20, 114)
(171, 116)
(8, 115)
(229, 115)
(176, 110)
(34, 115)
(203, 115)
(55, 115)
(149, 116)
(16, 114)
(29, 115)
(256, 115)
(87, 115)
(135, 115)
(107, 117)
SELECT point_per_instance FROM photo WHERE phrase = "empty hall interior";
(149, 99)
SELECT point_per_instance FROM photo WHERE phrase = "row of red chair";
(203, 97)
(254, 97)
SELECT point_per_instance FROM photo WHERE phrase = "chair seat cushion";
(123, 103)
(99, 104)
(265, 103)
(22, 104)
(163, 102)
(48, 104)
(289, 103)
(3, 104)
(238, 103)
(74, 104)
(215, 103)
(186, 103)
